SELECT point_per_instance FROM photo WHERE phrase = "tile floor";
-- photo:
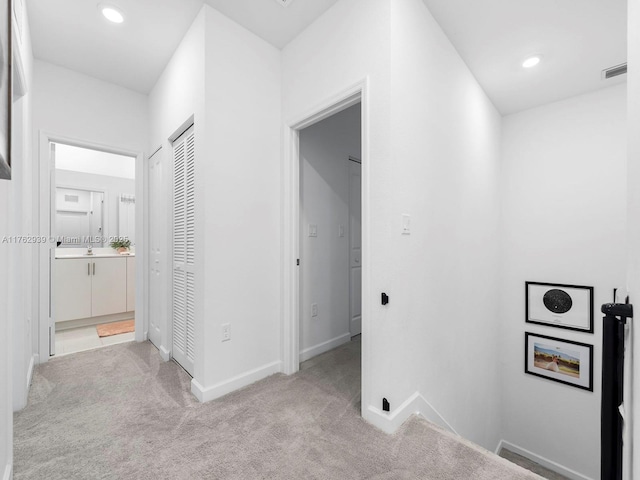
(86, 338)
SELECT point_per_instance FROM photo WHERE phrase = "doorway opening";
(330, 234)
(92, 236)
(300, 342)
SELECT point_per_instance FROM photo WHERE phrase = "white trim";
(415, 404)
(43, 210)
(32, 364)
(164, 353)
(311, 352)
(545, 462)
(206, 394)
(8, 472)
(290, 245)
(91, 321)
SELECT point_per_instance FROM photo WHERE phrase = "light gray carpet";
(121, 413)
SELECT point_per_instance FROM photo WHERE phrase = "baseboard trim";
(164, 353)
(91, 321)
(415, 404)
(206, 394)
(32, 365)
(545, 462)
(323, 347)
(8, 472)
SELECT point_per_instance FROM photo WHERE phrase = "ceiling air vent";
(284, 3)
(614, 71)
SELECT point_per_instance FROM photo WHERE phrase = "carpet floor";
(122, 413)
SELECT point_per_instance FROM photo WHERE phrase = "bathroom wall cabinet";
(93, 287)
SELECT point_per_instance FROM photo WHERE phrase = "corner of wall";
(206, 394)
(415, 404)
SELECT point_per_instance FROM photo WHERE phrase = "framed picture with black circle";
(561, 306)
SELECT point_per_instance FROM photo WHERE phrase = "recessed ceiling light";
(111, 13)
(531, 61)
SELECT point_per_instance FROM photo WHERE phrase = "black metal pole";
(612, 388)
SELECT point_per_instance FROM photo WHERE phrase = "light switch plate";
(406, 224)
(313, 230)
(341, 230)
(314, 309)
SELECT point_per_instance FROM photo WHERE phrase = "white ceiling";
(75, 35)
(578, 39)
(268, 19)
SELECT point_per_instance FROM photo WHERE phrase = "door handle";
(89, 268)
(94, 268)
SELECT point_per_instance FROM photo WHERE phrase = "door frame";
(43, 213)
(358, 93)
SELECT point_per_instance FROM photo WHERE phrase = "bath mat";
(115, 328)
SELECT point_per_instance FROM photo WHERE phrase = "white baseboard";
(164, 353)
(8, 473)
(415, 404)
(206, 394)
(91, 321)
(311, 352)
(32, 365)
(545, 462)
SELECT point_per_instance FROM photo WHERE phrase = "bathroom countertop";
(95, 255)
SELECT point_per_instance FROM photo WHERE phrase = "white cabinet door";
(109, 292)
(72, 289)
(131, 284)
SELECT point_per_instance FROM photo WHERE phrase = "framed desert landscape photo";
(561, 306)
(559, 360)
(5, 90)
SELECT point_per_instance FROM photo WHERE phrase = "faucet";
(89, 250)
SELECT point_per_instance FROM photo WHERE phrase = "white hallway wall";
(441, 166)
(564, 219)
(178, 96)
(632, 396)
(444, 171)
(324, 201)
(22, 302)
(83, 108)
(228, 79)
(242, 217)
(6, 406)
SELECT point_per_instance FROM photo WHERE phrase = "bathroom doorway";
(92, 248)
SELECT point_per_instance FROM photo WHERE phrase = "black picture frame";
(536, 355)
(580, 298)
(6, 54)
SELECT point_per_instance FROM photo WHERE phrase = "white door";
(355, 244)
(72, 289)
(183, 345)
(108, 286)
(157, 212)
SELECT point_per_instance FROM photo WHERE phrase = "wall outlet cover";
(226, 332)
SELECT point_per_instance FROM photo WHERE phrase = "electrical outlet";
(314, 309)
(226, 332)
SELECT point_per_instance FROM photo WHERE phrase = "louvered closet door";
(184, 250)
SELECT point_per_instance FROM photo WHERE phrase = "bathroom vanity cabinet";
(86, 286)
